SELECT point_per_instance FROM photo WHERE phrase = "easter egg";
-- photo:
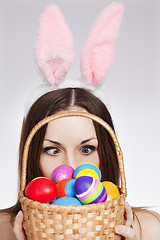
(89, 190)
(87, 169)
(42, 190)
(66, 188)
(62, 172)
(68, 201)
(112, 190)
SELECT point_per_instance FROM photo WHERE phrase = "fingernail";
(126, 204)
(117, 229)
(19, 213)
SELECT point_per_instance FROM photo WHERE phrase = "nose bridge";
(70, 158)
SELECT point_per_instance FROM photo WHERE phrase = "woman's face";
(69, 141)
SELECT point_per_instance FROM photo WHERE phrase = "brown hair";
(56, 101)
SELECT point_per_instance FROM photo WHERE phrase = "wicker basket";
(94, 221)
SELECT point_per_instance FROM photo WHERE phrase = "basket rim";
(60, 208)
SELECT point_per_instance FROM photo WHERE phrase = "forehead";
(78, 127)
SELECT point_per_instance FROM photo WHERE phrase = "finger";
(18, 226)
(128, 215)
(126, 232)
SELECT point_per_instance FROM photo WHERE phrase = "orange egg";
(112, 190)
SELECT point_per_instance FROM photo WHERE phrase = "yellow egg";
(112, 190)
(87, 172)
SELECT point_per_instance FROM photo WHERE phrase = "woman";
(54, 56)
(47, 155)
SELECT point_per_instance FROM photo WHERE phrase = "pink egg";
(62, 172)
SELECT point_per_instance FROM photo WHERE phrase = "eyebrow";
(59, 144)
(56, 143)
(87, 140)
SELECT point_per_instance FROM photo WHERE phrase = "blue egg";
(67, 201)
(70, 189)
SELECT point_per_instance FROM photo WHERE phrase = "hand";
(18, 227)
(126, 230)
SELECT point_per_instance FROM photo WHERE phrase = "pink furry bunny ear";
(98, 50)
(54, 46)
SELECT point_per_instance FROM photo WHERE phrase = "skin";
(67, 143)
(71, 141)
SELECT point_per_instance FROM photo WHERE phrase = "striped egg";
(87, 169)
(89, 190)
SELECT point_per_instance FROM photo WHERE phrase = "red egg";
(41, 190)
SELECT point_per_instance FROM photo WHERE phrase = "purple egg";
(90, 190)
(82, 184)
(62, 172)
(101, 198)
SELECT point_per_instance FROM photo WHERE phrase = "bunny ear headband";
(54, 51)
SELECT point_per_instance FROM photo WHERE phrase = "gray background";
(132, 86)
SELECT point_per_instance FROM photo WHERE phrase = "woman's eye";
(86, 150)
(52, 151)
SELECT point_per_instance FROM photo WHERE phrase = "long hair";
(59, 100)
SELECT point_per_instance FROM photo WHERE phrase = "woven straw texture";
(94, 221)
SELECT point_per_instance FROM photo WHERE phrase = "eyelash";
(86, 147)
(47, 149)
(90, 147)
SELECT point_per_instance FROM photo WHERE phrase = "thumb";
(18, 227)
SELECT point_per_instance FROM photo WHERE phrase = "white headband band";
(68, 83)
